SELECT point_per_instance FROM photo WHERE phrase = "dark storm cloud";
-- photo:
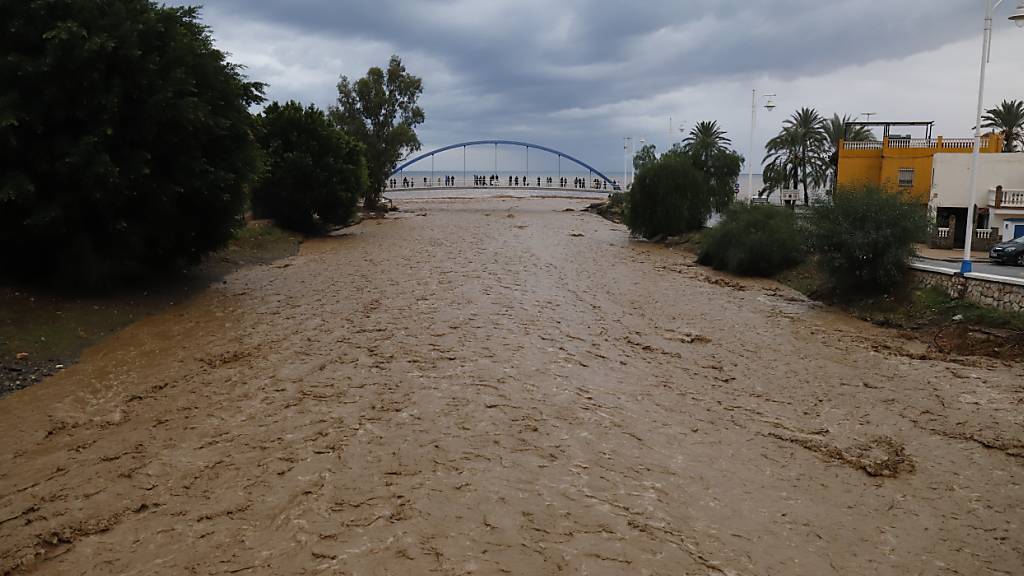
(516, 64)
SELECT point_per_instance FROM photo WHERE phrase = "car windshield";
(1018, 240)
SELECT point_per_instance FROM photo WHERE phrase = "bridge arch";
(526, 145)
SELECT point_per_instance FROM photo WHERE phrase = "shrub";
(125, 138)
(864, 238)
(314, 174)
(753, 241)
(670, 196)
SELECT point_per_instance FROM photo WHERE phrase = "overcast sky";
(580, 75)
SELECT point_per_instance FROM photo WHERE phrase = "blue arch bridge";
(550, 180)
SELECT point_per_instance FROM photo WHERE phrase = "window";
(906, 177)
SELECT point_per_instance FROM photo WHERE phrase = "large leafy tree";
(865, 238)
(125, 138)
(678, 191)
(1008, 119)
(644, 156)
(705, 140)
(838, 130)
(670, 196)
(799, 154)
(380, 110)
(315, 174)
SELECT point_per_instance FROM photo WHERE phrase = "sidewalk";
(949, 255)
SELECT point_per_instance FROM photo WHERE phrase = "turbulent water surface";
(502, 386)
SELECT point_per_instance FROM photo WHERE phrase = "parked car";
(1011, 252)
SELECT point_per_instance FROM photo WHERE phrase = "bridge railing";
(456, 182)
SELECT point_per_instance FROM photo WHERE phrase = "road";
(506, 387)
(1015, 272)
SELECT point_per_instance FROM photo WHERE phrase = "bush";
(670, 196)
(753, 241)
(125, 138)
(864, 238)
(314, 175)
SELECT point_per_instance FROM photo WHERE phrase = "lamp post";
(769, 106)
(625, 160)
(632, 164)
(972, 187)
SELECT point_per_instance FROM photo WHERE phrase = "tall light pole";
(625, 160)
(972, 187)
(632, 163)
(770, 105)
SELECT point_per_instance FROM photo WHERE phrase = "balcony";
(1009, 199)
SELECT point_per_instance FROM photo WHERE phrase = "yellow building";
(901, 162)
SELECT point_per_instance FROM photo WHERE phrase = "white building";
(1003, 213)
(778, 197)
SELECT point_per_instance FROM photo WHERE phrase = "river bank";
(42, 331)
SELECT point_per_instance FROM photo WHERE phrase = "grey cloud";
(516, 64)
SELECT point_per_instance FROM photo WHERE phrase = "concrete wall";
(1003, 294)
(949, 186)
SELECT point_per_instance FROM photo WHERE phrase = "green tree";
(721, 169)
(380, 110)
(864, 238)
(754, 241)
(315, 174)
(674, 194)
(125, 138)
(705, 140)
(644, 156)
(1008, 119)
(799, 154)
(837, 130)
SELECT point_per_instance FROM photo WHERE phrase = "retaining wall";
(984, 289)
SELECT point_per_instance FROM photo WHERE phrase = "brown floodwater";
(505, 387)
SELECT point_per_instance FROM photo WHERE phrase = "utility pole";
(972, 188)
(770, 105)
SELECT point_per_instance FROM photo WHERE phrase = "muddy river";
(508, 387)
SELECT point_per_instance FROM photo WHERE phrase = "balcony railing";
(927, 143)
(863, 145)
(911, 143)
(960, 143)
(1006, 198)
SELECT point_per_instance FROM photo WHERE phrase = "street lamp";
(769, 106)
(632, 165)
(972, 188)
(1018, 14)
(626, 141)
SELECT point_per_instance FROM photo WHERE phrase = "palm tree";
(1008, 119)
(704, 140)
(800, 152)
(781, 170)
(837, 130)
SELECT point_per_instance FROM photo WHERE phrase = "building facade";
(999, 203)
(903, 163)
